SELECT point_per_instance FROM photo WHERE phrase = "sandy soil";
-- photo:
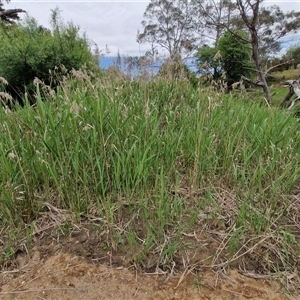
(77, 262)
(67, 276)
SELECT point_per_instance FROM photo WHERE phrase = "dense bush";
(29, 51)
(236, 56)
(231, 56)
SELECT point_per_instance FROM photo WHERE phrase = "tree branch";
(9, 12)
(286, 62)
(287, 97)
(257, 83)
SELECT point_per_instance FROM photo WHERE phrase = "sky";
(112, 23)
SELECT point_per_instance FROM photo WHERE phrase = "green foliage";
(231, 55)
(294, 54)
(209, 61)
(29, 51)
(236, 55)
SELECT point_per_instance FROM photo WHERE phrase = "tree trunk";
(258, 65)
(252, 22)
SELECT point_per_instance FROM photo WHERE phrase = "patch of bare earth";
(64, 261)
(65, 276)
(78, 266)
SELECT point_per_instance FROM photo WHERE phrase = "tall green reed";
(129, 148)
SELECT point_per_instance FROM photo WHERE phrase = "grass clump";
(154, 165)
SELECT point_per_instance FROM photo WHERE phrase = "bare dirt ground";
(78, 266)
(65, 276)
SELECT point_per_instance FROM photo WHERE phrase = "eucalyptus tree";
(274, 24)
(265, 27)
(180, 26)
(214, 17)
(170, 26)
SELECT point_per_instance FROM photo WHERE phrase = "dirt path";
(65, 276)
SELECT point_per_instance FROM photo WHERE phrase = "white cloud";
(113, 23)
(285, 5)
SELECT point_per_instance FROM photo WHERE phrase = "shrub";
(29, 51)
(236, 56)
